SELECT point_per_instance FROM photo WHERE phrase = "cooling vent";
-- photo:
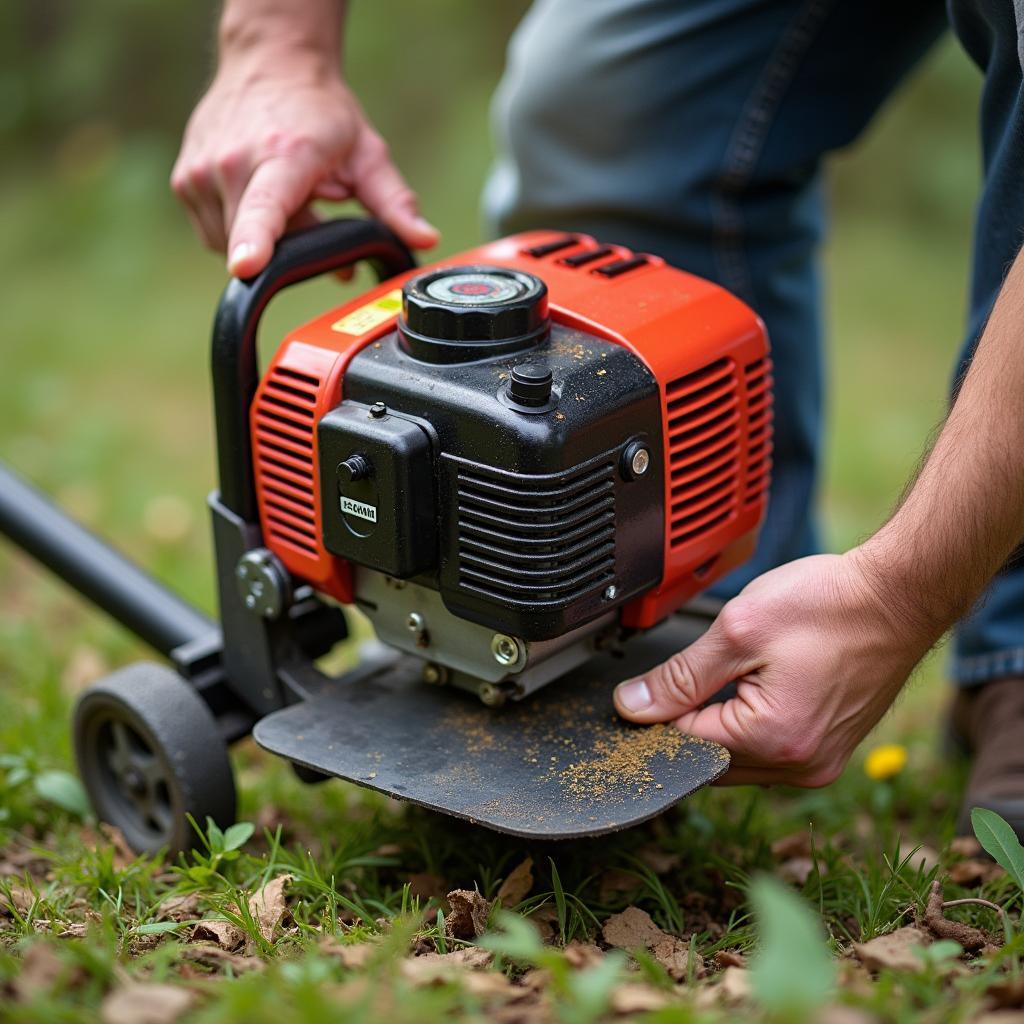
(536, 541)
(703, 450)
(758, 377)
(285, 416)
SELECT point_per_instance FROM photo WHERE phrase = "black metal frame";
(246, 666)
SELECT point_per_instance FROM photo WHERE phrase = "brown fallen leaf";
(632, 929)
(970, 938)
(74, 930)
(427, 886)
(179, 908)
(974, 871)
(674, 955)
(616, 881)
(795, 870)
(20, 900)
(467, 917)
(518, 885)
(352, 955)
(734, 986)
(729, 958)
(634, 998)
(894, 950)
(796, 844)
(216, 958)
(467, 967)
(583, 954)
(965, 846)
(123, 853)
(660, 861)
(223, 934)
(268, 905)
(40, 970)
(145, 1003)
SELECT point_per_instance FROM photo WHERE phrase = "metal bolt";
(378, 409)
(504, 649)
(415, 623)
(263, 584)
(611, 592)
(491, 695)
(434, 674)
(640, 462)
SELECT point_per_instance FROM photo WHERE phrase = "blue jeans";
(696, 129)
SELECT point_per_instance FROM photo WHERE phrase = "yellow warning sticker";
(373, 314)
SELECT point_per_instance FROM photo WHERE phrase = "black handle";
(297, 257)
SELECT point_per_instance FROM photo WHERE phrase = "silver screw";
(504, 649)
(640, 462)
(611, 592)
(434, 674)
(415, 623)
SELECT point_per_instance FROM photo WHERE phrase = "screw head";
(263, 583)
(640, 462)
(415, 623)
(505, 649)
(434, 674)
(491, 695)
(611, 592)
(378, 409)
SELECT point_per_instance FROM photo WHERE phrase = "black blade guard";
(558, 765)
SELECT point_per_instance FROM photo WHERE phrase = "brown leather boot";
(988, 723)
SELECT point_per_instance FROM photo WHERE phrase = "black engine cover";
(525, 514)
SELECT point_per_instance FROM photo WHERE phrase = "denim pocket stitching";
(747, 141)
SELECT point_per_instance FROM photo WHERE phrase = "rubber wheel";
(149, 753)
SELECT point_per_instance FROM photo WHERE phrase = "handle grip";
(297, 257)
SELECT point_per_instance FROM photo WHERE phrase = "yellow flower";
(885, 761)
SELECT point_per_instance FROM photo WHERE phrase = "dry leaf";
(734, 986)
(616, 881)
(1000, 1017)
(179, 908)
(145, 1003)
(583, 954)
(352, 955)
(123, 853)
(729, 958)
(223, 934)
(632, 998)
(268, 905)
(796, 844)
(467, 918)
(40, 969)
(632, 929)
(20, 900)
(795, 870)
(894, 950)
(973, 872)
(427, 886)
(674, 955)
(965, 846)
(658, 860)
(517, 885)
(213, 957)
(75, 930)
(545, 920)
(844, 1015)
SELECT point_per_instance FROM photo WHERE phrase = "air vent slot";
(285, 414)
(536, 541)
(703, 413)
(758, 379)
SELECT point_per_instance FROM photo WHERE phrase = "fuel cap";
(459, 314)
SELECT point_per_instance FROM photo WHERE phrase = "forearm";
(964, 514)
(266, 30)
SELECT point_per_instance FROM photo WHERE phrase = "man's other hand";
(817, 652)
(260, 147)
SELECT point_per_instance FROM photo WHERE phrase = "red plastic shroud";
(707, 350)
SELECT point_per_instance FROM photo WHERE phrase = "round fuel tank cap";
(459, 314)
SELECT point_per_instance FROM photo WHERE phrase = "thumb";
(683, 683)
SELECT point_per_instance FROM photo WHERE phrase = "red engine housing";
(706, 348)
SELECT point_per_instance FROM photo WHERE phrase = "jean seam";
(990, 665)
(747, 142)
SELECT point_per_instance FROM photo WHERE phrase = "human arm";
(821, 647)
(277, 128)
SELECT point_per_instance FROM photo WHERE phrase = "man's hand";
(817, 654)
(268, 138)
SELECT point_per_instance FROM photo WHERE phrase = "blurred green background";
(107, 298)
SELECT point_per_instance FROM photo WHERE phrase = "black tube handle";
(297, 257)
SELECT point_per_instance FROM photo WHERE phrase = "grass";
(104, 403)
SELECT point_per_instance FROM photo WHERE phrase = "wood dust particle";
(624, 759)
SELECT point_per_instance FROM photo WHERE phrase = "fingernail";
(634, 695)
(422, 224)
(241, 252)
